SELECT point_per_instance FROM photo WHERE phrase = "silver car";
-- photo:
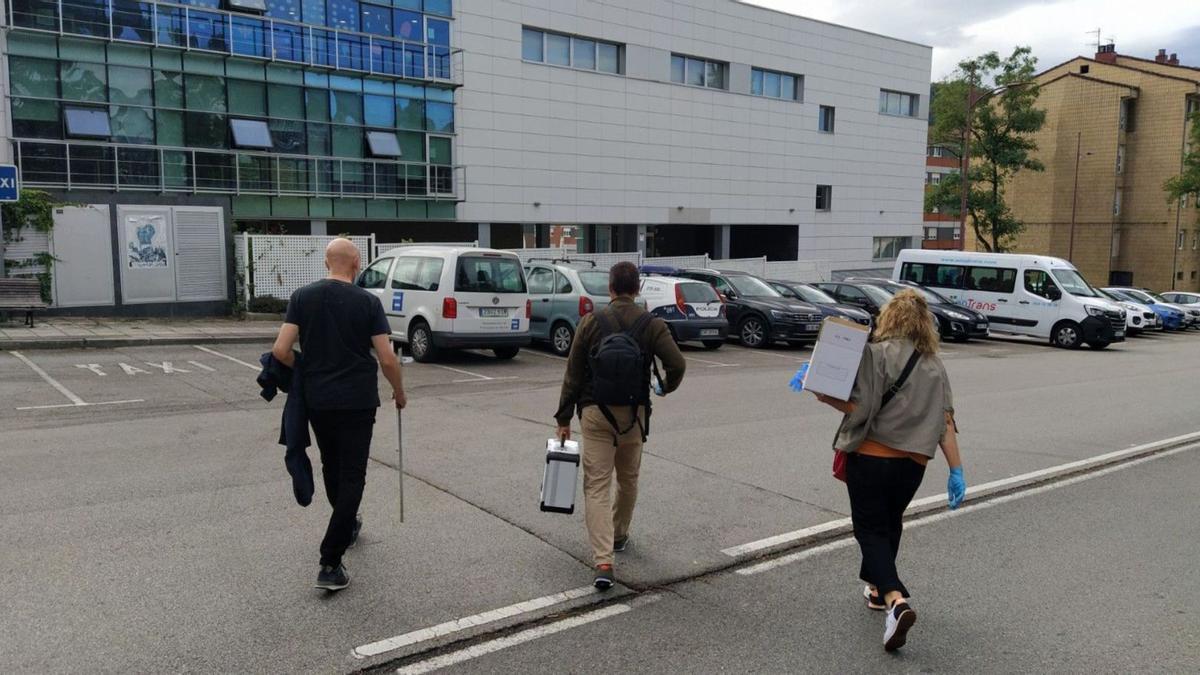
(562, 293)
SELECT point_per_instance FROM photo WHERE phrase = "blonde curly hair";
(907, 316)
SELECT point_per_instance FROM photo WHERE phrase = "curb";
(116, 342)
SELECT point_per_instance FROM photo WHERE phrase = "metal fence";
(273, 265)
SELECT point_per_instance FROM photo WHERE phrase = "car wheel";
(752, 332)
(506, 353)
(712, 345)
(1098, 345)
(1066, 335)
(420, 343)
(561, 337)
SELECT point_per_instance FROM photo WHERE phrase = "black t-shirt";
(337, 321)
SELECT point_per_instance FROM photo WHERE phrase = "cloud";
(1056, 29)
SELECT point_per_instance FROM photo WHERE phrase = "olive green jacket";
(656, 341)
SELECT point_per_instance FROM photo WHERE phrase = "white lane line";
(468, 373)
(253, 366)
(75, 400)
(970, 508)
(710, 364)
(534, 352)
(201, 366)
(787, 537)
(492, 646)
(457, 625)
(490, 379)
(81, 405)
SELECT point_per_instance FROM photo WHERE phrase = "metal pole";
(400, 461)
(1074, 199)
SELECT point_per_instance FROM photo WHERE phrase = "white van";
(443, 297)
(1032, 295)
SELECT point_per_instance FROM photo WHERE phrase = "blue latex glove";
(797, 383)
(658, 387)
(956, 488)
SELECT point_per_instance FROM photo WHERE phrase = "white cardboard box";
(836, 357)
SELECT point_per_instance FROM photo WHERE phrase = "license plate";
(709, 332)
(1120, 333)
(812, 327)
(492, 312)
(981, 326)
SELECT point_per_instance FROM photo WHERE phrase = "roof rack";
(563, 259)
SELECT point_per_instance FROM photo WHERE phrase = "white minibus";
(1032, 295)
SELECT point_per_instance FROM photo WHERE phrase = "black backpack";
(620, 371)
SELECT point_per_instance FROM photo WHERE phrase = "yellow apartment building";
(1116, 129)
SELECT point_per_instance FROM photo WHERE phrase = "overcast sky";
(1056, 29)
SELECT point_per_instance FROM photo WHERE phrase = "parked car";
(1191, 314)
(954, 322)
(1137, 317)
(692, 309)
(757, 313)
(826, 303)
(1173, 318)
(1183, 299)
(1032, 295)
(446, 297)
(562, 293)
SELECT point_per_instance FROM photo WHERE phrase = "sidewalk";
(99, 332)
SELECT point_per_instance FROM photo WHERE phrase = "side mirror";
(1053, 293)
(730, 295)
(359, 281)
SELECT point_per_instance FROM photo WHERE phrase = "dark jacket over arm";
(656, 341)
(293, 432)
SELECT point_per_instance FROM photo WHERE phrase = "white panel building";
(690, 126)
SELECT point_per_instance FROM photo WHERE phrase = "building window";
(933, 178)
(250, 134)
(936, 151)
(698, 72)
(898, 103)
(1120, 158)
(887, 248)
(570, 50)
(931, 233)
(1181, 240)
(87, 122)
(384, 144)
(1117, 203)
(776, 85)
(825, 117)
(824, 197)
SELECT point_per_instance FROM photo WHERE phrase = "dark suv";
(758, 314)
(954, 322)
(823, 301)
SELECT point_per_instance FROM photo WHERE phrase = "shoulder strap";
(640, 326)
(608, 323)
(895, 388)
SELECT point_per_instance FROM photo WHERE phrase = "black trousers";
(344, 437)
(880, 490)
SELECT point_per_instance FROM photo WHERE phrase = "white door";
(147, 257)
(1035, 313)
(82, 248)
(200, 270)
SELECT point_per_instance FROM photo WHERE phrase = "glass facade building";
(293, 108)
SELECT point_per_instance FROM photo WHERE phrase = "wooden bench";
(22, 295)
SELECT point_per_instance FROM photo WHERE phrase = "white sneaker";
(874, 601)
(900, 618)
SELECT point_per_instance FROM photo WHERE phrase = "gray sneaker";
(620, 545)
(332, 578)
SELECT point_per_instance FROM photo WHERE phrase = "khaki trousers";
(607, 518)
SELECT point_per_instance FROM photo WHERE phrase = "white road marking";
(970, 508)
(468, 373)
(80, 405)
(167, 367)
(252, 366)
(492, 646)
(201, 366)
(763, 352)
(710, 364)
(787, 537)
(534, 352)
(457, 625)
(132, 370)
(490, 379)
(75, 400)
(94, 367)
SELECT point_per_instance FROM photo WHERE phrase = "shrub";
(267, 304)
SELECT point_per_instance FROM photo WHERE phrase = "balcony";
(242, 35)
(74, 165)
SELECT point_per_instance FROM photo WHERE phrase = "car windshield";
(595, 283)
(752, 286)
(1072, 283)
(810, 294)
(1137, 296)
(879, 295)
(1158, 298)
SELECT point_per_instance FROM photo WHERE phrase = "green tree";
(1002, 122)
(1188, 180)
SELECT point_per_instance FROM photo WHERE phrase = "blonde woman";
(890, 433)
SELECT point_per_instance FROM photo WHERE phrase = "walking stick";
(400, 465)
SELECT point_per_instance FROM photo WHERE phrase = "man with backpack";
(608, 383)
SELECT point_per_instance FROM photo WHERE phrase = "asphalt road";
(1095, 577)
(153, 528)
